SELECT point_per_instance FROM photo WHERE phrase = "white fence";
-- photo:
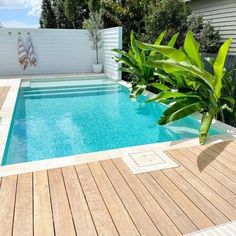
(112, 38)
(57, 51)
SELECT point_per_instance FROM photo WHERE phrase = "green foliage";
(205, 34)
(66, 14)
(136, 63)
(47, 19)
(70, 7)
(228, 111)
(169, 15)
(94, 26)
(147, 18)
(174, 16)
(196, 89)
(75, 11)
(62, 22)
(129, 14)
(94, 5)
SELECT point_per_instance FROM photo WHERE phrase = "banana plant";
(204, 90)
(135, 63)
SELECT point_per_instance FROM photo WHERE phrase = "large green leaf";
(128, 63)
(171, 66)
(228, 99)
(167, 51)
(160, 38)
(172, 94)
(159, 86)
(124, 54)
(158, 42)
(180, 110)
(219, 66)
(207, 119)
(135, 48)
(191, 47)
(129, 70)
(173, 40)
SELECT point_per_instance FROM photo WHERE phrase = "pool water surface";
(52, 122)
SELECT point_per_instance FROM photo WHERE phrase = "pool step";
(75, 82)
(69, 88)
(75, 93)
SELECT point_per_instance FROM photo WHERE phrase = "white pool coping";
(124, 153)
(7, 111)
(227, 229)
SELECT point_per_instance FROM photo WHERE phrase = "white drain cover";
(141, 162)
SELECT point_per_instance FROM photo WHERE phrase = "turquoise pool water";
(54, 122)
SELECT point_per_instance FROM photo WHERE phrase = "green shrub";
(205, 34)
(175, 16)
(169, 15)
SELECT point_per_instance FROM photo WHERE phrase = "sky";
(20, 13)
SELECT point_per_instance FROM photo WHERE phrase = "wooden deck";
(3, 94)
(105, 198)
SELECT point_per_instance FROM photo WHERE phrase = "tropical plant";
(135, 63)
(201, 89)
(94, 26)
(227, 112)
(204, 33)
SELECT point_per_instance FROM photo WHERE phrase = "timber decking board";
(153, 209)
(193, 212)
(101, 217)
(7, 204)
(3, 94)
(105, 198)
(63, 220)
(144, 224)
(43, 220)
(23, 220)
(82, 217)
(120, 216)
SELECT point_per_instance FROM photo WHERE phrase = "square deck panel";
(228, 229)
(141, 162)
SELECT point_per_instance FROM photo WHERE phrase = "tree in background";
(175, 16)
(47, 19)
(94, 5)
(76, 11)
(147, 18)
(66, 14)
(169, 15)
(62, 22)
(129, 14)
(70, 7)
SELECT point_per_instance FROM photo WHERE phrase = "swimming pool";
(55, 121)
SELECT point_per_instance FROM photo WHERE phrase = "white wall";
(57, 51)
(222, 14)
(112, 38)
